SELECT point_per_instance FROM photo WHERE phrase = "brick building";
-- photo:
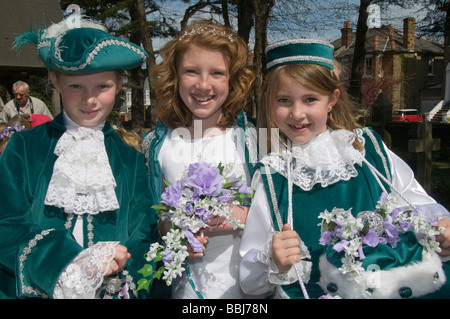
(16, 17)
(413, 66)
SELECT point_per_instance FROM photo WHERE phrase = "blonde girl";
(321, 160)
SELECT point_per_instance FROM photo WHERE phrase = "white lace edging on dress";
(327, 159)
(85, 275)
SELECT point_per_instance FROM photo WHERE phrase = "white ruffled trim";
(82, 180)
(326, 159)
(85, 275)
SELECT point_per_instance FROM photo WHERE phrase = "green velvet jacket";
(35, 246)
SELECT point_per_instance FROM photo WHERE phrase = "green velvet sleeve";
(32, 255)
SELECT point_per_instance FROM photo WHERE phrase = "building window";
(345, 65)
(431, 66)
(368, 67)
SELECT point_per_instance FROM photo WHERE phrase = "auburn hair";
(171, 110)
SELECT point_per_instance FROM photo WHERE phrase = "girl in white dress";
(202, 91)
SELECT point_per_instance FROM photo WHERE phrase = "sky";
(320, 21)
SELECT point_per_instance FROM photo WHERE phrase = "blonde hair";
(170, 108)
(23, 119)
(317, 78)
(130, 138)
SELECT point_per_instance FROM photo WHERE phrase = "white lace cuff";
(84, 276)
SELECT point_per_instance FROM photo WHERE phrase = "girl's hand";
(120, 259)
(286, 249)
(444, 238)
(202, 239)
(217, 223)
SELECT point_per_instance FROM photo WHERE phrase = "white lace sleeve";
(84, 276)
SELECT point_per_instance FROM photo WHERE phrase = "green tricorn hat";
(308, 51)
(81, 49)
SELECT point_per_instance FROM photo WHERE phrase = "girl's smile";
(301, 113)
(204, 83)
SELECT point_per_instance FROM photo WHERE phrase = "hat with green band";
(308, 51)
(86, 48)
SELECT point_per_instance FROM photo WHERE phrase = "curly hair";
(344, 113)
(171, 110)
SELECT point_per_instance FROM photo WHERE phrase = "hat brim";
(87, 50)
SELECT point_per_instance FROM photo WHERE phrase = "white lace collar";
(82, 180)
(327, 159)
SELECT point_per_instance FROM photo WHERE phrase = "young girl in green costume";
(75, 217)
(322, 160)
(202, 90)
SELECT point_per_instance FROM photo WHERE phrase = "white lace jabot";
(82, 180)
(326, 159)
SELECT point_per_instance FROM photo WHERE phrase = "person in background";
(23, 103)
(30, 121)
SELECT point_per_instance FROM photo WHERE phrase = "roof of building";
(385, 43)
(17, 16)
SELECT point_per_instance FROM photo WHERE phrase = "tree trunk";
(359, 52)
(151, 61)
(262, 10)
(245, 18)
(137, 77)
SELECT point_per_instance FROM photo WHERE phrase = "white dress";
(216, 274)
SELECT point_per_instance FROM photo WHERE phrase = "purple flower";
(391, 234)
(237, 182)
(341, 245)
(188, 209)
(396, 212)
(245, 189)
(325, 239)
(361, 253)
(200, 211)
(404, 224)
(207, 216)
(204, 179)
(226, 196)
(195, 244)
(165, 257)
(371, 239)
(172, 194)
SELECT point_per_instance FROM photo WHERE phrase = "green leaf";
(143, 284)
(147, 270)
(158, 273)
(229, 184)
(166, 182)
(220, 167)
(160, 207)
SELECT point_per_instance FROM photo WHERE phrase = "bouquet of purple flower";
(200, 195)
(8, 131)
(349, 234)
